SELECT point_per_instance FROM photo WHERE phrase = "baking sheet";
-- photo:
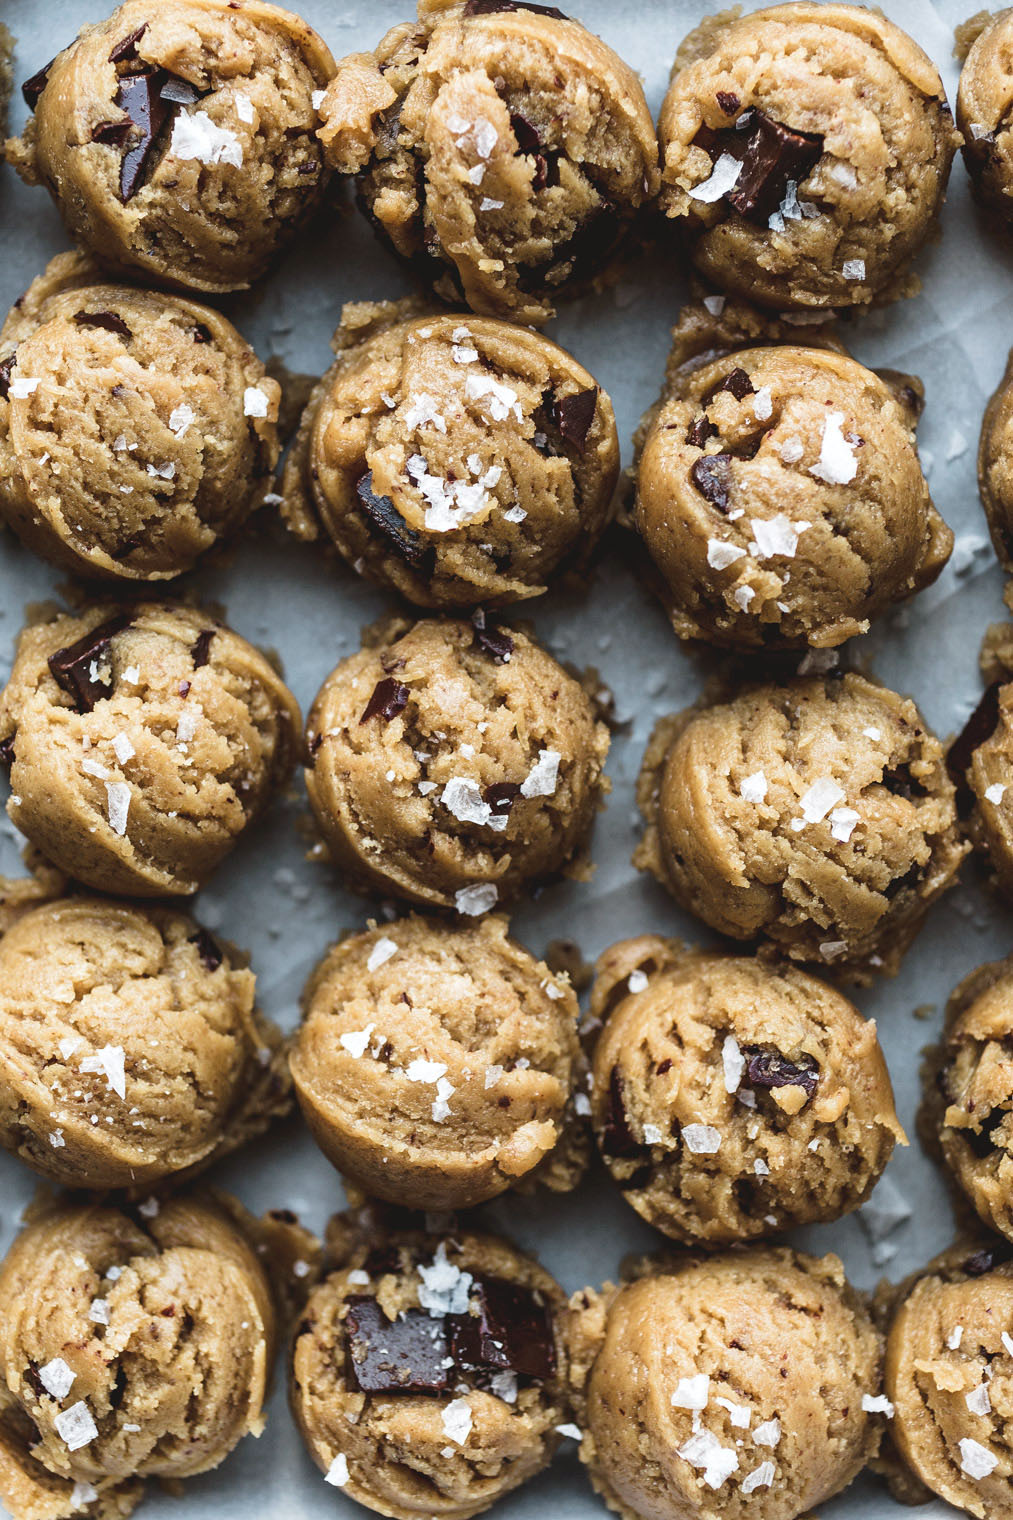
(286, 910)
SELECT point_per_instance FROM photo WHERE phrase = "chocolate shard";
(618, 1139)
(201, 332)
(384, 515)
(736, 381)
(981, 725)
(500, 7)
(987, 1258)
(7, 751)
(113, 133)
(139, 96)
(74, 669)
(108, 320)
(501, 796)
(404, 1355)
(712, 476)
(32, 88)
(6, 368)
(493, 641)
(506, 1330)
(770, 1068)
(770, 153)
(527, 134)
(208, 949)
(728, 101)
(127, 48)
(200, 650)
(389, 698)
(573, 415)
(700, 429)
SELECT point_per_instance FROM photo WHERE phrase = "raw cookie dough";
(429, 1372)
(816, 814)
(410, 404)
(178, 139)
(729, 1386)
(130, 1046)
(136, 429)
(805, 150)
(731, 1098)
(131, 1346)
(980, 759)
(995, 467)
(436, 1065)
(142, 741)
(949, 1375)
(779, 493)
(500, 147)
(984, 99)
(453, 763)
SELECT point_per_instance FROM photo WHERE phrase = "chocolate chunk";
(528, 139)
(981, 1141)
(712, 476)
(617, 1138)
(770, 154)
(34, 1381)
(6, 368)
(139, 96)
(200, 650)
(573, 415)
(700, 429)
(128, 47)
(72, 668)
(981, 725)
(770, 1068)
(508, 1331)
(493, 641)
(736, 381)
(728, 102)
(384, 515)
(501, 796)
(984, 1260)
(33, 88)
(201, 332)
(500, 7)
(108, 320)
(208, 949)
(405, 1355)
(388, 699)
(114, 133)
(7, 751)
(899, 781)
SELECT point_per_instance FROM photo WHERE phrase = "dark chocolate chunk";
(201, 332)
(200, 650)
(71, 668)
(501, 796)
(770, 154)
(33, 88)
(388, 699)
(528, 139)
(384, 515)
(107, 320)
(900, 782)
(508, 1331)
(712, 476)
(700, 429)
(981, 1141)
(500, 7)
(984, 1260)
(493, 641)
(770, 1068)
(114, 133)
(6, 367)
(617, 1138)
(728, 102)
(7, 751)
(208, 949)
(573, 415)
(35, 1383)
(139, 96)
(736, 381)
(981, 725)
(404, 1355)
(127, 48)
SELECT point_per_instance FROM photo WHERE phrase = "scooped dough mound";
(136, 429)
(780, 495)
(980, 758)
(727, 1386)
(453, 762)
(429, 1372)
(984, 98)
(995, 467)
(454, 459)
(816, 815)
(131, 1347)
(130, 1046)
(731, 1099)
(142, 740)
(805, 151)
(178, 140)
(949, 1375)
(500, 147)
(436, 1065)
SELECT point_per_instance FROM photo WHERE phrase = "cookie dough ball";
(178, 139)
(731, 1099)
(435, 1066)
(429, 1373)
(130, 1047)
(136, 429)
(792, 186)
(984, 98)
(131, 1347)
(995, 467)
(142, 741)
(980, 759)
(379, 456)
(500, 147)
(949, 1375)
(727, 1385)
(816, 814)
(452, 763)
(780, 495)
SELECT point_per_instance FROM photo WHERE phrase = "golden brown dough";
(995, 467)
(980, 759)
(984, 98)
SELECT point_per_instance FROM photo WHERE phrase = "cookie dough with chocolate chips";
(995, 467)
(949, 1376)
(136, 429)
(142, 740)
(792, 186)
(179, 139)
(980, 759)
(729, 1385)
(499, 146)
(455, 459)
(731, 1099)
(429, 1372)
(779, 494)
(130, 1046)
(132, 1346)
(816, 816)
(984, 98)
(453, 763)
(436, 1066)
